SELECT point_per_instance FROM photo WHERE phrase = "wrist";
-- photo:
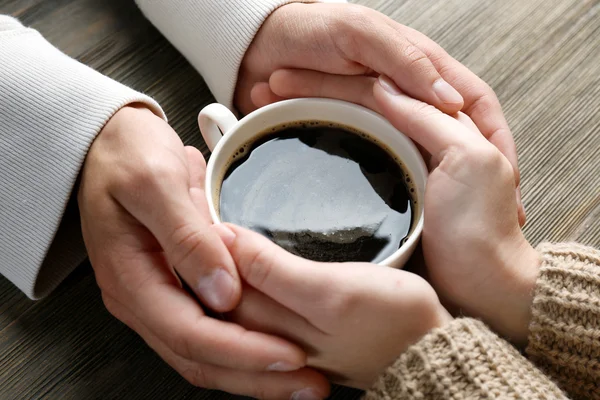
(130, 117)
(513, 312)
(444, 318)
(125, 115)
(432, 316)
(113, 136)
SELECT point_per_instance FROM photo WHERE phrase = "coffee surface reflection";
(321, 191)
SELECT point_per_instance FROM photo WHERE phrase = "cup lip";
(412, 238)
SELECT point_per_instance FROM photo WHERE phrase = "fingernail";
(389, 85)
(216, 289)
(446, 93)
(305, 394)
(225, 233)
(282, 366)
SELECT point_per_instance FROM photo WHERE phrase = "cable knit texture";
(564, 336)
(465, 360)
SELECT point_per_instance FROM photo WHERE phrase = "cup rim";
(413, 236)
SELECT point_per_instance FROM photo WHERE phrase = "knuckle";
(365, 95)
(488, 91)
(423, 110)
(104, 279)
(180, 345)
(421, 114)
(348, 46)
(118, 277)
(349, 28)
(258, 266)
(260, 392)
(478, 157)
(421, 301)
(484, 158)
(116, 310)
(155, 172)
(198, 377)
(505, 171)
(436, 54)
(110, 304)
(426, 295)
(458, 159)
(186, 240)
(491, 159)
(149, 174)
(203, 376)
(107, 287)
(413, 57)
(342, 301)
(484, 89)
(352, 16)
(484, 101)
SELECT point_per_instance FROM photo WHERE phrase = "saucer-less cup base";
(225, 135)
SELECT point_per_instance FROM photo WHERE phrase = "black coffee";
(321, 191)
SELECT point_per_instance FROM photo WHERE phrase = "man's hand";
(316, 50)
(353, 319)
(339, 39)
(145, 223)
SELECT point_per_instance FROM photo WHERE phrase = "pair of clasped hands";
(292, 325)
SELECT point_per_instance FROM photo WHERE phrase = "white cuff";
(51, 109)
(214, 35)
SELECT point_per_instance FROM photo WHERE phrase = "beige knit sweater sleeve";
(52, 108)
(465, 360)
(564, 339)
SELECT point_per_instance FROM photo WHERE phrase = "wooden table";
(541, 56)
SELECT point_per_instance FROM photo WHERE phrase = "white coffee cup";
(225, 135)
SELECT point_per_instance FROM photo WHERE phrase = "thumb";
(194, 250)
(288, 279)
(324, 294)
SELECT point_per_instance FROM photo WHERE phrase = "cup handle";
(215, 120)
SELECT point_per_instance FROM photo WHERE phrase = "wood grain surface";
(541, 56)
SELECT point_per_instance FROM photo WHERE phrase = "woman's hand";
(328, 45)
(353, 319)
(477, 257)
(145, 223)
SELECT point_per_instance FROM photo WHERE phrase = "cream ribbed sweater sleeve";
(51, 109)
(214, 34)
